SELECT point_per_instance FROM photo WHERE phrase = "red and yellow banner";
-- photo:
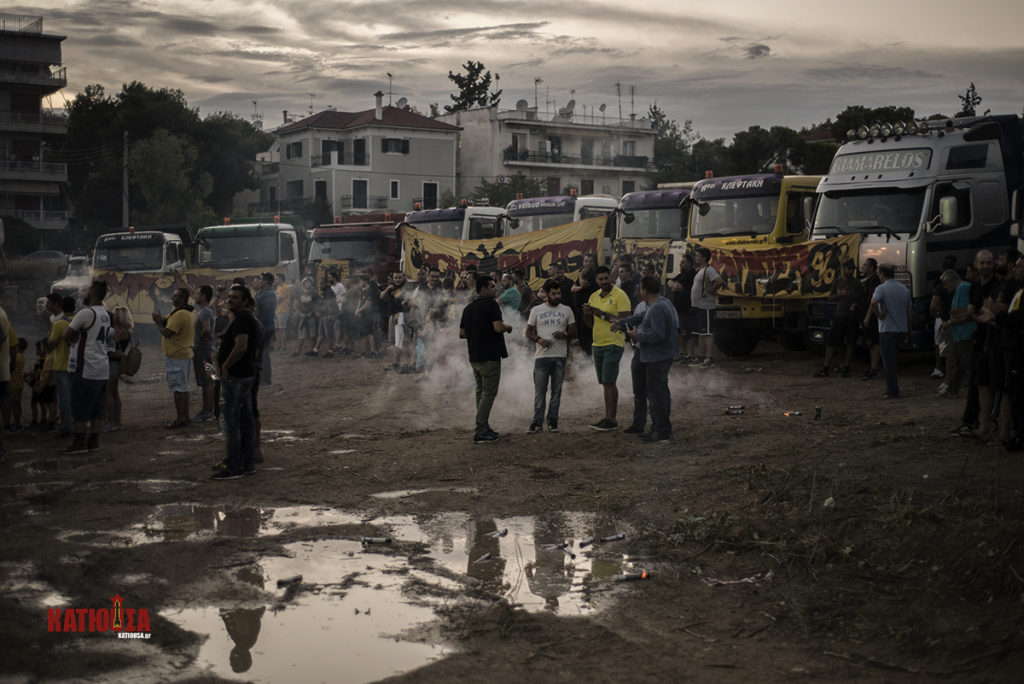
(533, 251)
(644, 251)
(803, 270)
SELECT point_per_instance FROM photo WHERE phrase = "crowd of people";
(225, 341)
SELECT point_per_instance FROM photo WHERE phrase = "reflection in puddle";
(19, 492)
(406, 493)
(19, 579)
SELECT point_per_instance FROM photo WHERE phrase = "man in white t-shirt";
(551, 325)
(338, 288)
(91, 339)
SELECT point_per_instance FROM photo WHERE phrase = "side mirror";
(628, 217)
(514, 223)
(809, 207)
(703, 208)
(949, 212)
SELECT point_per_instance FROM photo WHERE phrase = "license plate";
(727, 314)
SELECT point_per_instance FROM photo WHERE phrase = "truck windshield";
(653, 223)
(483, 227)
(238, 251)
(77, 268)
(116, 257)
(528, 224)
(874, 210)
(734, 216)
(360, 249)
(445, 229)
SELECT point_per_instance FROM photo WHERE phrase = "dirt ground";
(875, 545)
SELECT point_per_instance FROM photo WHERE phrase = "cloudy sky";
(724, 65)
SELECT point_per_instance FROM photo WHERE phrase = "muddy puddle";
(366, 606)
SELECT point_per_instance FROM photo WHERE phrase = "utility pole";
(124, 184)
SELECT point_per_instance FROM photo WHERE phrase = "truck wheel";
(732, 342)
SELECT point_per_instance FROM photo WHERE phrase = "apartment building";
(588, 153)
(31, 187)
(379, 160)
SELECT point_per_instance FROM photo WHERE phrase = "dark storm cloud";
(190, 27)
(107, 40)
(866, 73)
(757, 50)
(446, 36)
(257, 30)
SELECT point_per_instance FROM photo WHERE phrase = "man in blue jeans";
(890, 303)
(482, 328)
(236, 366)
(551, 325)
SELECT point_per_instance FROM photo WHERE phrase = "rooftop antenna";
(536, 82)
(311, 96)
(618, 93)
(389, 88)
(257, 118)
(632, 102)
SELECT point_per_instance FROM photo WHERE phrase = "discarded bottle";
(376, 540)
(817, 413)
(792, 413)
(733, 411)
(627, 576)
(614, 537)
(586, 542)
(498, 533)
(285, 581)
(737, 407)
(211, 371)
(485, 557)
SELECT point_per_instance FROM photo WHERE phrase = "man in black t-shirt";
(483, 329)
(584, 286)
(236, 365)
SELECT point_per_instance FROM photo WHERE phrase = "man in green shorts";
(606, 305)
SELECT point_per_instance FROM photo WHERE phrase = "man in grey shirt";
(655, 337)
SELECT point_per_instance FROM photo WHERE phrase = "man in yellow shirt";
(61, 353)
(607, 304)
(178, 331)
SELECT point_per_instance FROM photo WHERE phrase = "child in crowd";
(44, 390)
(17, 383)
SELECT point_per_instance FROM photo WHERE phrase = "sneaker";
(313, 352)
(329, 354)
(228, 475)
(604, 425)
(486, 438)
(949, 395)
(708, 363)
(890, 396)
(249, 472)
(844, 371)
(964, 431)
(634, 430)
(652, 438)
(869, 374)
(823, 373)
(202, 417)
(942, 388)
(74, 449)
(695, 362)
(937, 374)
(535, 428)
(220, 466)
(552, 426)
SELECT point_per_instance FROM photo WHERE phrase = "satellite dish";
(402, 103)
(602, 107)
(570, 105)
(522, 105)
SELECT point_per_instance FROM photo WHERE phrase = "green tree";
(474, 88)
(500, 193)
(969, 102)
(228, 146)
(169, 180)
(673, 148)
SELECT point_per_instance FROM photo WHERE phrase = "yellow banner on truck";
(653, 251)
(803, 270)
(533, 251)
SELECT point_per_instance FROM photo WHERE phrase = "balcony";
(51, 78)
(378, 202)
(33, 171)
(572, 119)
(43, 220)
(334, 159)
(525, 158)
(44, 122)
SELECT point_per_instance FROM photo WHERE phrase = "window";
(628, 186)
(554, 185)
(629, 148)
(293, 150)
(320, 189)
(967, 157)
(394, 190)
(326, 147)
(287, 247)
(293, 189)
(359, 152)
(586, 187)
(796, 220)
(587, 151)
(272, 194)
(430, 195)
(395, 145)
(360, 190)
